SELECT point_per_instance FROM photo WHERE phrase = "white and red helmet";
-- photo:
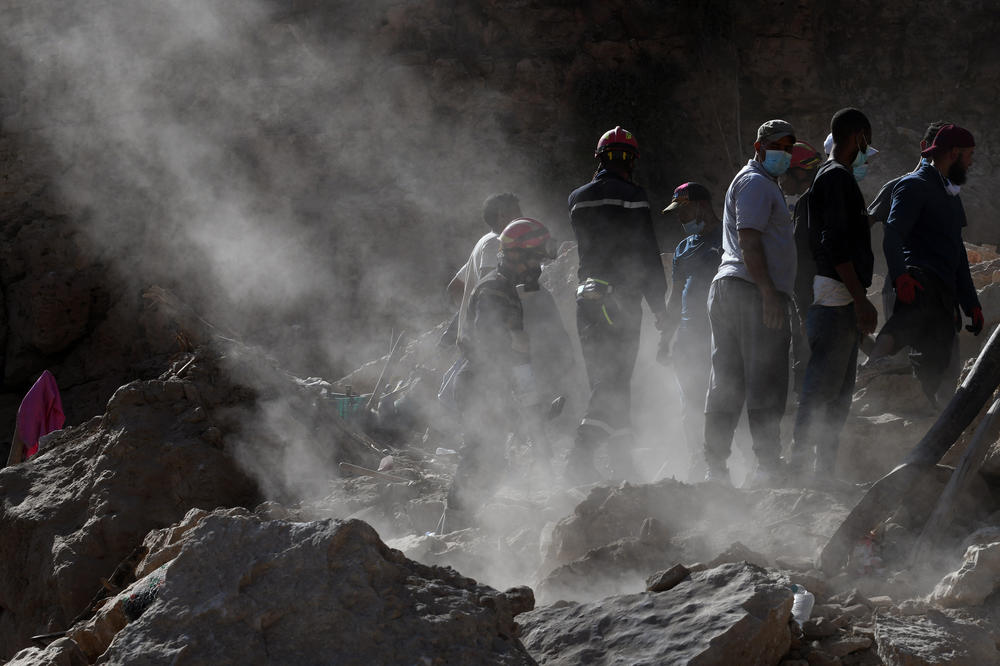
(528, 235)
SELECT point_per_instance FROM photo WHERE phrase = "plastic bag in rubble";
(802, 604)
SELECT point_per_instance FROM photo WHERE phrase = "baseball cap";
(804, 156)
(689, 191)
(773, 130)
(948, 137)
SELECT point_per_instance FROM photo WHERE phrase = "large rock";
(84, 503)
(974, 581)
(733, 614)
(620, 567)
(243, 589)
(933, 640)
(694, 523)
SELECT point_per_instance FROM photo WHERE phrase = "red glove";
(906, 288)
(977, 321)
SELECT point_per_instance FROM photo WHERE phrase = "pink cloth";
(40, 413)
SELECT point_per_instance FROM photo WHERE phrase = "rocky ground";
(204, 516)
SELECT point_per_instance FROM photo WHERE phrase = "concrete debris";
(732, 614)
(666, 580)
(242, 589)
(933, 639)
(977, 579)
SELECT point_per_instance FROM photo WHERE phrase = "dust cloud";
(289, 179)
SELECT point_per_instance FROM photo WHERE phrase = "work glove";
(977, 321)
(906, 288)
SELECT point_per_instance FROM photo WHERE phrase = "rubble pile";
(234, 587)
(732, 614)
(73, 515)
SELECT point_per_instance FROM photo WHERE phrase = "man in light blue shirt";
(748, 306)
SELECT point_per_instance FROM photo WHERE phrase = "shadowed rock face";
(733, 614)
(238, 588)
(71, 514)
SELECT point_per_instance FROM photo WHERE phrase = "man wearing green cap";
(748, 305)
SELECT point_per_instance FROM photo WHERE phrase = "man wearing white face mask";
(928, 264)
(841, 313)
(696, 260)
(748, 306)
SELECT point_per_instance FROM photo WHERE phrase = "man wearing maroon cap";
(695, 263)
(927, 261)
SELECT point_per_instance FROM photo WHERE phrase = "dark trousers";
(691, 355)
(827, 387)
(609, 338)
(927, 324)
(749, 366)
(486, 419)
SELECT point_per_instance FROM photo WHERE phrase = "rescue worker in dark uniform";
(495, 387)
(619, 266)
(696, 261)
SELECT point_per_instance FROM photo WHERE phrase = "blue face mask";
(693, 227)
(776, 162)
(860, 172)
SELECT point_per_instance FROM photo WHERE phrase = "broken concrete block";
(818, 627)
(665, 580)
(841, 647)
(932, 640)
(977, 578)
(733, 614)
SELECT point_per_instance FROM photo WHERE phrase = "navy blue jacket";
(924, 230)
(615, 238)
(696, 261)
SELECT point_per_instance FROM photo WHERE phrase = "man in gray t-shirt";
(748, 306)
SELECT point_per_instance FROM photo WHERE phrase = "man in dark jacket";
(840, 313)
(495, 387)
(927, 261)
(619, 266)
(695, 263)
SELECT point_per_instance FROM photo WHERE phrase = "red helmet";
(527, 234)
(805, 157)
(617, 139)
